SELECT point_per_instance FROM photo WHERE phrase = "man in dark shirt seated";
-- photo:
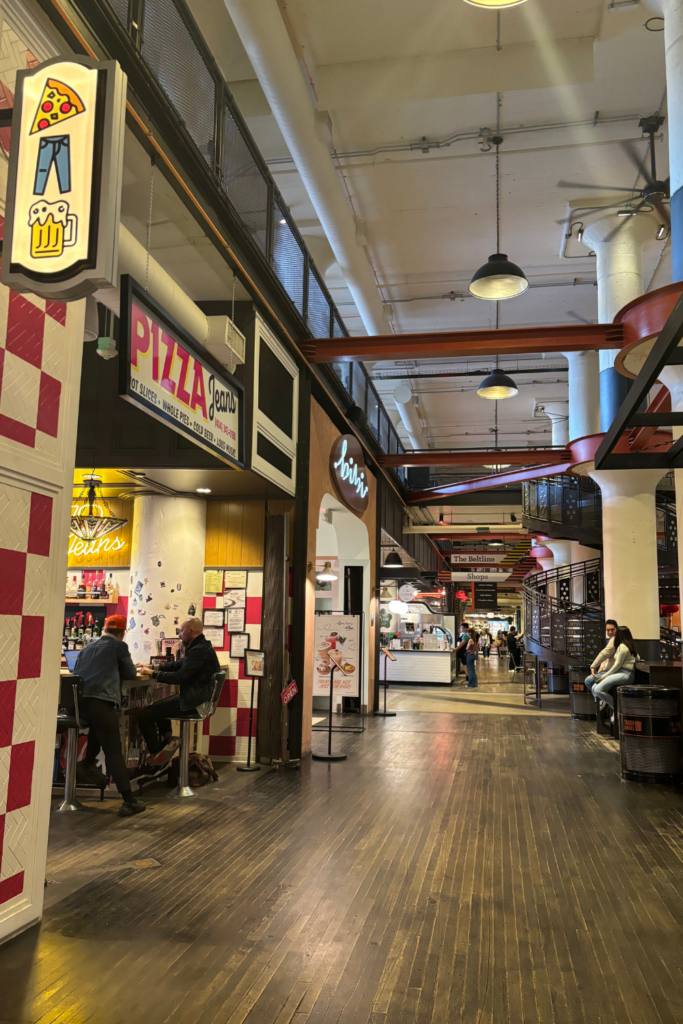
(103, 665)
(193, 674)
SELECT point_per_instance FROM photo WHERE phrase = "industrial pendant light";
(499, 278)
(94, 524)
(495, 5)
(326, 576)
(393, 559)
(497, 385)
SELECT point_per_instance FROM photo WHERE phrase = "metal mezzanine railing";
(182, 77)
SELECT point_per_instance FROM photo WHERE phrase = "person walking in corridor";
(471, 657)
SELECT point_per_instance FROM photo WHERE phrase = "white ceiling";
(394, 72)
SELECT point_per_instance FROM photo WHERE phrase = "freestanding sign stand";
(329, 756)
(386, 714)
(254, 665)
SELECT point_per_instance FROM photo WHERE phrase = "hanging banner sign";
(337, 642)
(478, 557)
(475, 576)
(485, 596)
(163, 371)
(65, 173)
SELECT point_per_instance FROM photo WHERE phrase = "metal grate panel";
(318, 313)
(288, 259)
(120, 9)
(338, 329)
(175, 61)
(243, 182)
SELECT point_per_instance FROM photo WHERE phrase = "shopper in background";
(103, 665)
(513, 648)
(461, 650)
(605, 659)
(471, 655)
(622, 672)
(194, 674)
(486, 641)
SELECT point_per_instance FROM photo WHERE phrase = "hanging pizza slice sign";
(57, 104)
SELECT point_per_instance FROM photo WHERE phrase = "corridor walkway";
(486, 867)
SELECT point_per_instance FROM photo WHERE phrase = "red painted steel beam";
(486, 483)
(545, 456)
(506, 341)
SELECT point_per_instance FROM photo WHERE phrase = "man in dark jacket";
(102, 665)
(193, 674)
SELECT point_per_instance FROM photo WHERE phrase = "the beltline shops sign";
(163, 371)
(477, 557)
(65, 172)
(476, 576)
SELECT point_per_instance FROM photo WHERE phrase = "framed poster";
(235, 598)
(337, 642)
(214, 617)
(254, 663)
(216, 637)
(239, 642)
(235, 578)
(235, 620)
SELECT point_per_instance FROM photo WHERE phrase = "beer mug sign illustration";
(64, 182)
(53, 229)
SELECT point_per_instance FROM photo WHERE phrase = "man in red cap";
(102, 665)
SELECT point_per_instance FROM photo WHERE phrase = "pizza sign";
(64, 186)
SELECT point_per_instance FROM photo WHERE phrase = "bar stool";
(205, 710)
(69, 721)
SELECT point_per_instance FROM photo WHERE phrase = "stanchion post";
(249, 767)
(385, 713)
(329, 756)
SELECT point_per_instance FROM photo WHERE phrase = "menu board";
(337, 642)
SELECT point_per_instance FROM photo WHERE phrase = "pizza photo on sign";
(57, 103)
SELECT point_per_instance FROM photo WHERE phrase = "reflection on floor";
(499, 692)
(488, 868)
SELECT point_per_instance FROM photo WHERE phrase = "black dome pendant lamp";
(499, 278)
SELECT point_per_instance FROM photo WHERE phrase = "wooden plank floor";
(459, 867)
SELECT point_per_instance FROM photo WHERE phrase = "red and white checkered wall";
(226, 733)
(40, 361)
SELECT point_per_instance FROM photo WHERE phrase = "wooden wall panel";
(234, 533)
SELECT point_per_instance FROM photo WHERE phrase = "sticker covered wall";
(165, 372)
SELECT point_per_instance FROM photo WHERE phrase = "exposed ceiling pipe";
(403, 397)
(264, 36)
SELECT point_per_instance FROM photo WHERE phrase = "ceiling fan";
(654, 194)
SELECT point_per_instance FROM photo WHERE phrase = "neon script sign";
(83, 548)
(164, 373)
(349, 473)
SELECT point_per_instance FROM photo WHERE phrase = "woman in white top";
(623, 670)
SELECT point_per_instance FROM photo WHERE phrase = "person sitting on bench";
(193, 674)
(605, 659)
(622, 672)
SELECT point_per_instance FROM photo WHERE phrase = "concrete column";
(584, 394)
(620, 279)
(672, 12)
(558, 414)
(166, 569)
(629, 531)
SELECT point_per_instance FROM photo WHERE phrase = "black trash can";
(581, 699)
(558, 679)
(650, 733)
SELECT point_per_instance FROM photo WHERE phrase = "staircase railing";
(564, 613)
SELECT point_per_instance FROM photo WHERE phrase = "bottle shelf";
(87, 601)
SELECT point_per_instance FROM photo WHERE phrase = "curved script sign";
(349, 473)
